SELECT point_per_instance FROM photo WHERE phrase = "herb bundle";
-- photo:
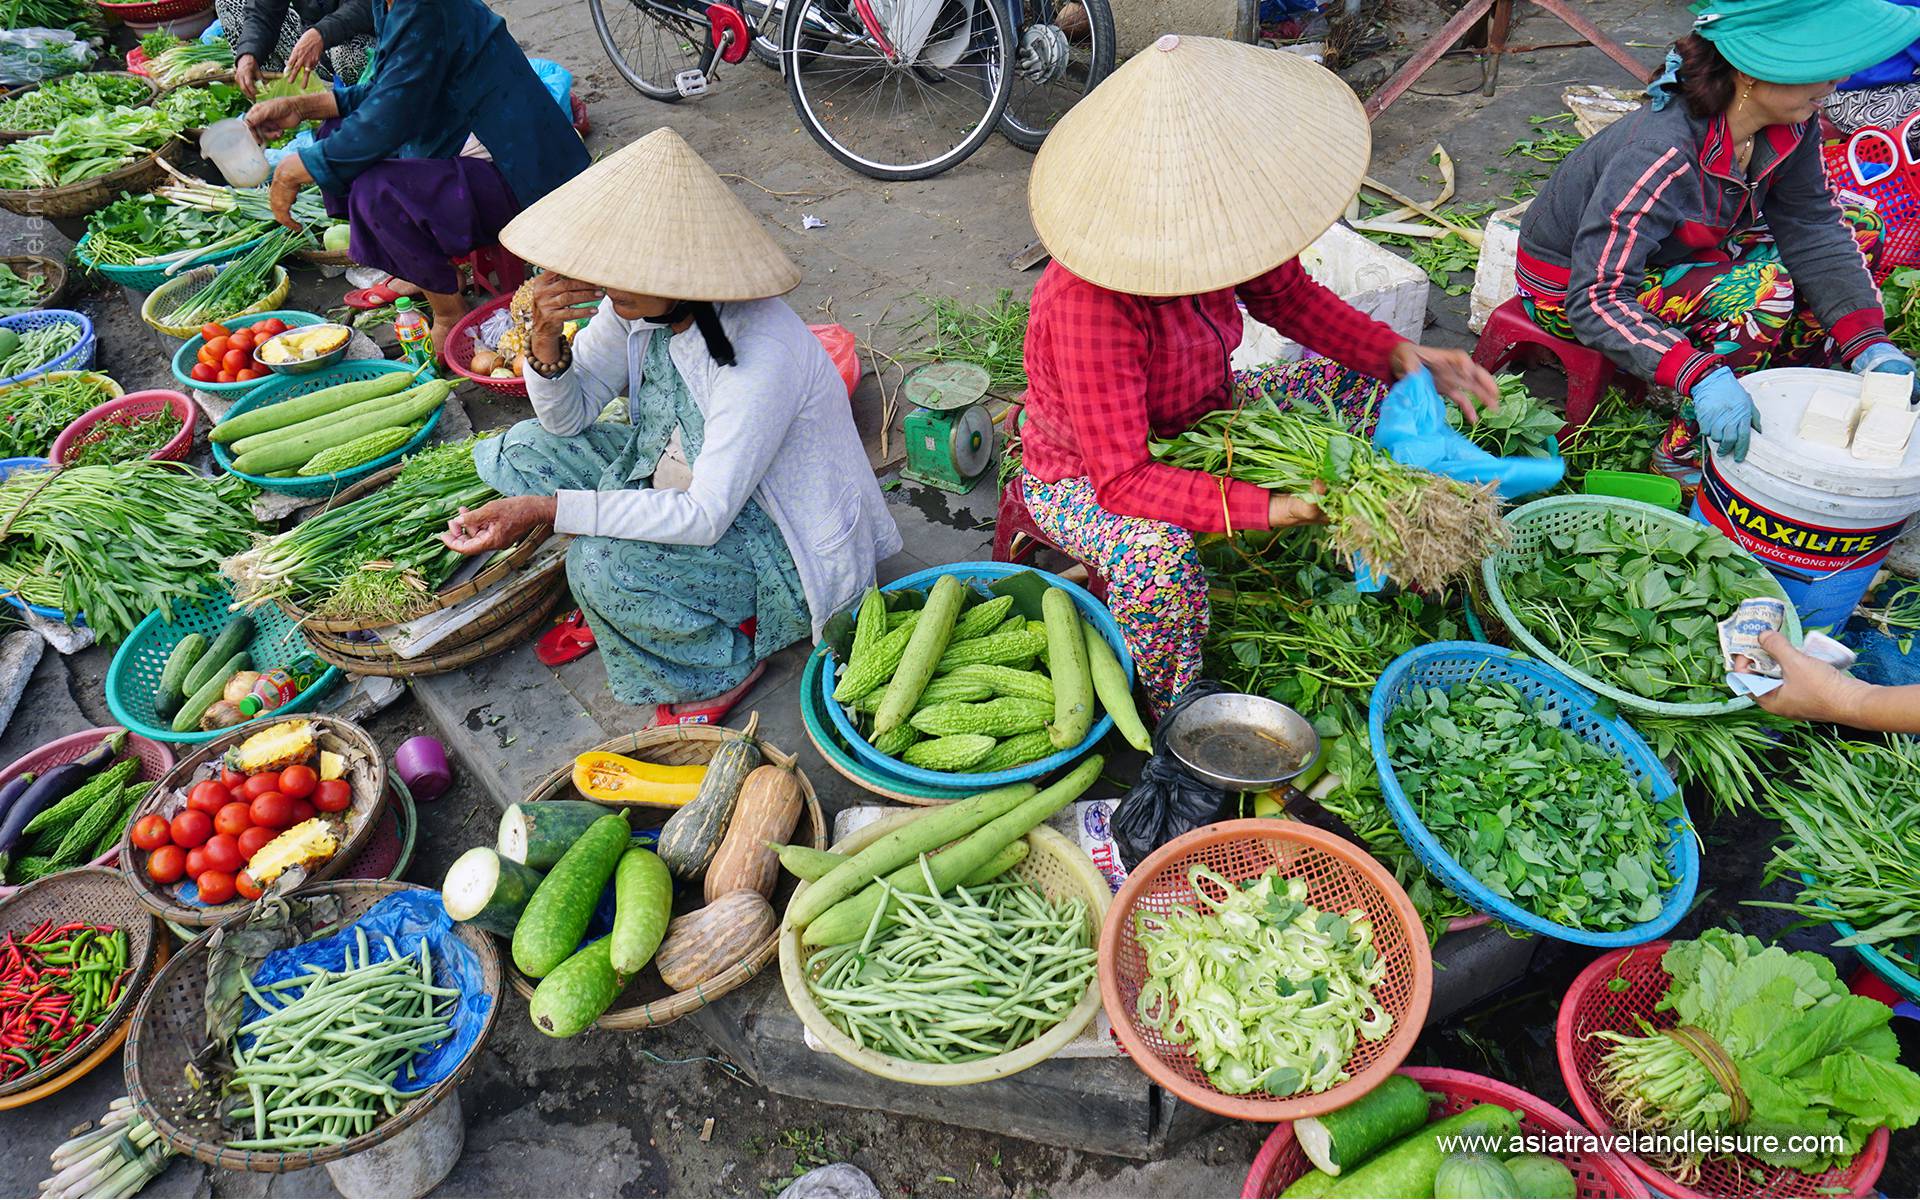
(143, 230)
(1900, 297)
(1619, 436)
(57, 99)
(78, 16)
(82, 147)
(34, 412)
(185, 62)
(242, 283)
(993, 336)
(121, 441)
(199, 107)
(18, 294)
(1724, 755)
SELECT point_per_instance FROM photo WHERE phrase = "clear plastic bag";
(31, 55)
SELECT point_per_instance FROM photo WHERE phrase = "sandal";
(377, 296)
(570, 638)
(706, 712)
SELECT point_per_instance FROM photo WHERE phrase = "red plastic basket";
(91, 425)
(155, 761)
(1592, 1006)
(459, 348)
(1281, 1161)
(151, 11)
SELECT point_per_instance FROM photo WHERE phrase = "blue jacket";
(445, 69)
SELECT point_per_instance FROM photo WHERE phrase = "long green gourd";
(295, 451)
(313, 404)
(923, 651)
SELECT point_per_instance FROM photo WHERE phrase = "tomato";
(233, 819)
(260, 785)
(333, 795)
(196, 862)
(246, 374)
(150, 832)
(167, 864)
(269, 327)
(208, 797)
(223, 853)
(255, 837)
(236, 360)
(215, 349)
(231, 779)
(206, 357)
(216, 887)
(272, 810)
(298, 782)
(248, 889)
(242, 339)
(226, 377)
(212, 330)
(190, 828)
(302, 811)
(202, 373)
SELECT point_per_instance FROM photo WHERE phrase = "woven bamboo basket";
(88, 195)
(366, 771)
(501, 629)
(93, 894)
(169, 1029)
(325, 258)
(170, 295)
(648, 1003)
(499, 568)
(51, 272)
(15, 135)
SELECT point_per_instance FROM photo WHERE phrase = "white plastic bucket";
(1820, 519)
(412, 1162)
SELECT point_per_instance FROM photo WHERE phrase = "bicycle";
(895, 89)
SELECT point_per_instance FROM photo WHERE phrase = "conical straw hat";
(1199, 164)
(655, 219)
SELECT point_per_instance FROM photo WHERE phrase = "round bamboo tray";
(16, 135)
(93, 894)
(502, 565)
(366, 771)
(648, 1003)
(51, 272)
(169, 1029)
(325, 258)
(88, 195)
(519, 623)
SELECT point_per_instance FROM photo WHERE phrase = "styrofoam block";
(1378, 282)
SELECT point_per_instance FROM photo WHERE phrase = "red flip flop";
(570, 638)
(371, 297)
(706, 712)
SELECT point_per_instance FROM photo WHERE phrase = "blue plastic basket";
(1893, 973)
(978, 573)
(7, 467)
(77, 359)
(286, 387)
(189, 352)
(1444, 664)
(145, 279)
(833, 748)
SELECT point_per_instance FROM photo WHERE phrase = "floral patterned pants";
(1156, 588)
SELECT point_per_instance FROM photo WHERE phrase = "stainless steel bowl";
(1242, 743)
(305, 366)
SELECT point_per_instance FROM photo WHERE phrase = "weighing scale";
(949, 436)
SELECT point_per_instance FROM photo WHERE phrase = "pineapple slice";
(274, 748)
(332, 766)
(307, 844)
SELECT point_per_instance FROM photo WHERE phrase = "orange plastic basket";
(1339, 876)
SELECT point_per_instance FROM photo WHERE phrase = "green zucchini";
(560, 908)
(172, 688)
(293, 447)
(1110, 684)
(381, 404)
(1067, 667)
(313, 404)
(536, 835)
(1346, 1136)
(485, 888)
(233, 638)
(1407, 1168)
(196, 706)
(804, 862)
(575, 993)
(642, 906)
(865, 674)
(923, 650)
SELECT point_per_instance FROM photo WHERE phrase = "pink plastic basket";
(155, 761)
(458, 351)
(152, 10)
(91, 426)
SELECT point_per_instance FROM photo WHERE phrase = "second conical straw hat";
(653, 218)
(1199, 164)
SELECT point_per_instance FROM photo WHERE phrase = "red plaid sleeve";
(1101, 345)
(1290, 300)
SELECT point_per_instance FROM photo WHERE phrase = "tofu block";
(1883, 434)
(1830, 418)
(1885, 387)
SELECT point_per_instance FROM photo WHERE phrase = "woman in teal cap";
(1695, 240)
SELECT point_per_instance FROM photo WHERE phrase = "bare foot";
(401, 287)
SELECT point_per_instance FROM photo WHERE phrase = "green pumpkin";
(1474, 1177)
(1542, 1178)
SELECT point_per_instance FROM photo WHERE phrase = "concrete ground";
(629, 1114)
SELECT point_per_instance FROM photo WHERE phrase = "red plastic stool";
(1016, 537)
(1511, 336)
(495, 268)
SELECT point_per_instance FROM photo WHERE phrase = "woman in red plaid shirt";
(1182, 188)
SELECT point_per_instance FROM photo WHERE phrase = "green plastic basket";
(135, 672)
(1532, 524)
(285, 387)
(145, 279)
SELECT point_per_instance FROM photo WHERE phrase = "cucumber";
(809, 864)
(233, 638)
(550, 926)
(576, 992)
(536, 835)
(643, 904)
(487, 889)
(196, 706)
(172, 689)
(1407, 1168)
(1067, 667)
(924, 648)
(313, 404)
(1110, 684)
(1346, 1136)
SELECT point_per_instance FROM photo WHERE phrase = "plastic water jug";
(230, 146)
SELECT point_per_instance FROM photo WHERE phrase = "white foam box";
(1493, 276)
(1830, 418)
(1378, 282)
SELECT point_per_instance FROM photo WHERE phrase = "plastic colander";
(1339, 876)
(1597, 1003)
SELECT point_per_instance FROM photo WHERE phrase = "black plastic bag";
(1168, 801)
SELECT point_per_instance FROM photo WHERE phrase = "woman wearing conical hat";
(1179, 190)
(774, 524)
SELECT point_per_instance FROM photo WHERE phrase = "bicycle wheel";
(1066, 49)
(650, 42)
(890, 112)
(764, 19)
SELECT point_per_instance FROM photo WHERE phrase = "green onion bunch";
(184, 62)
(242, 283)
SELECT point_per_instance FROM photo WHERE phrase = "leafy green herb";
(33, 413)
(1443, 258)
(79, 16)
(1619, 436)
(57, 99)
(1547, 145)
(18, 294)
(83, 146)
(1521, 427)
(134, 229)
(199, 107)
(1900, 297)
(1724, 756)
(993, 336)
(120, 441)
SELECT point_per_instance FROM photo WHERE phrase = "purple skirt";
(410, 217)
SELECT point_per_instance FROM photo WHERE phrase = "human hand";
(497, 524)
(288, 178)
(1455, 374)
(305, 55)
(1284, 510)
(1809, 690)
(554, 298)
(246, 74)
(270, 118)
(1883, 358)
(1725, 412)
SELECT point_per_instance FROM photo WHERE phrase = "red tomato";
(150, 832)
(236, 360)
(233, 819)
(223, 853)
(243, 339)
(231, 780)
(298, 782)
(333, 795)
(202, 373)
(167, 864)
(255, 837)
(248, 373)
(216, 887)
(207, 358)
(190, 828)
(196, 862)
(302, 811)
(249, 890)
(260, 785)
(272, 810)
(208, 797)
(226, 377)
(215, 349)
(270, 326)
(213, 329)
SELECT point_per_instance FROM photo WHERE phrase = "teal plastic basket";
(286, 387)
(145, 279)
(1896, 976)
(135, 671)
(1533, 525)
(189, 352)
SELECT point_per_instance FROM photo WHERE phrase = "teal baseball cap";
(1805, 41)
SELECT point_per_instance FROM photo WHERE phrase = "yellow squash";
(617, 779)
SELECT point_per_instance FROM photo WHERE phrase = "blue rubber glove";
(1882, 358)
(1725, 412)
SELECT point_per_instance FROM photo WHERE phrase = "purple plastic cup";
(422, 763)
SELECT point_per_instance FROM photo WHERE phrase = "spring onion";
(117, 1157)
(238, 285)
(184, 62)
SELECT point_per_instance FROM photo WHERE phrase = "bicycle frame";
(873, 32)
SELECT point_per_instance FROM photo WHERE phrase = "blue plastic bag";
(1887, 661)
(1413, 430)
(558, 81)
(409, 918)
(1902, 67)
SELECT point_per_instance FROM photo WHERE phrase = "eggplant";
(52, 787)
(12, 790)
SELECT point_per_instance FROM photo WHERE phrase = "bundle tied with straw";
(1421, 529)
